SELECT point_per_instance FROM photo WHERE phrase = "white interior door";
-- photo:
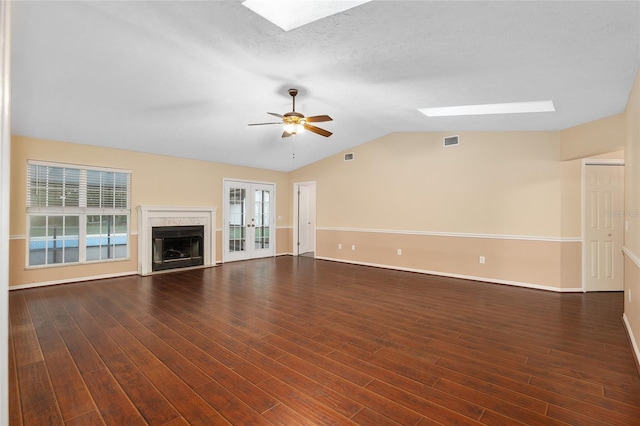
(249, 226)
(604, 215)
(305, 217)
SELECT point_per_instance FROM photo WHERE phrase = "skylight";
(484, 109)
(290, 14)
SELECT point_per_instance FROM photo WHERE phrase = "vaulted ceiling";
(184, 78)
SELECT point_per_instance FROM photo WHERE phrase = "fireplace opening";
(177, 247)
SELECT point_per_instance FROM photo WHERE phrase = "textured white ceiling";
(185, 78)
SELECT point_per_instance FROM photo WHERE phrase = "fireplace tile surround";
(157, 216)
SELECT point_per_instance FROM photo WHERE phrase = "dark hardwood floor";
(299, 341)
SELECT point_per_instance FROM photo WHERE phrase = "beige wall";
(597, 137)
(632, 208)
(492, 183)
(498, 194)
(156, 180)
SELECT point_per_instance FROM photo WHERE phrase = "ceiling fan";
(293, 122)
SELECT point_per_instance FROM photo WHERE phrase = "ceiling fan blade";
(262, 124)
(318, 130)
(286, 134)
(318, 118)
(275, 114)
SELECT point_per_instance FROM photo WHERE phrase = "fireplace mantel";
(150, 216)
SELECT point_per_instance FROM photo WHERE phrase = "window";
(77, 214)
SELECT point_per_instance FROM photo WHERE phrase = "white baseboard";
(72, 280)
(634, 342)
(465, 277)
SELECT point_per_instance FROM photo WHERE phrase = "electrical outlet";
(481, 260)
(399, 251)
(353, 247)
(626, 226)
(339, 246)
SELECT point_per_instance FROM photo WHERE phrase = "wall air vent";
(451, 140)
(349, 156)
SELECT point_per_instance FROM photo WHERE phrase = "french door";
(249, 225)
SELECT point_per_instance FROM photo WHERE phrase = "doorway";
(603, 226)
(304, 217)
(248, 223)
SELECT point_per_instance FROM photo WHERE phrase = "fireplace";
(177, 247)
(171, 237)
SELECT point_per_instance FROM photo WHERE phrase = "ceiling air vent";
(349, 156)
(451, 140)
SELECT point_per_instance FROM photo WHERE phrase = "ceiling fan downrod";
(293, 93)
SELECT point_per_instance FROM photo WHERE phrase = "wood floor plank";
(382, 367)
(492, 418)
(37, 398)
(189, 404)
(366, 397)
(92, 418)
(152, 405)
(82, 311)
(297, 375)
(315, 413)
(115, 406)
(291, 341)
(496, 404)
(84, 355)
(25, 341)
(367, 416)
(232, 407)
(572, 417)
(71, 392)
(322, 361)
(180, 365)
(459, 413)
(15, 405)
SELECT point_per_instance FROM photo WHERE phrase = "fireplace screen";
(177, 247)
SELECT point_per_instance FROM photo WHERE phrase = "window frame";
(82, 211)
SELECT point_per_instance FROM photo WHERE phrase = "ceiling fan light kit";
(294, 122)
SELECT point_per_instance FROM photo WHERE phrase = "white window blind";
(52, 186)
(69, 186)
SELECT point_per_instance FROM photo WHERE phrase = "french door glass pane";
(237, 219)
(261, 218)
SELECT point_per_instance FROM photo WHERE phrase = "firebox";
(177, 247)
